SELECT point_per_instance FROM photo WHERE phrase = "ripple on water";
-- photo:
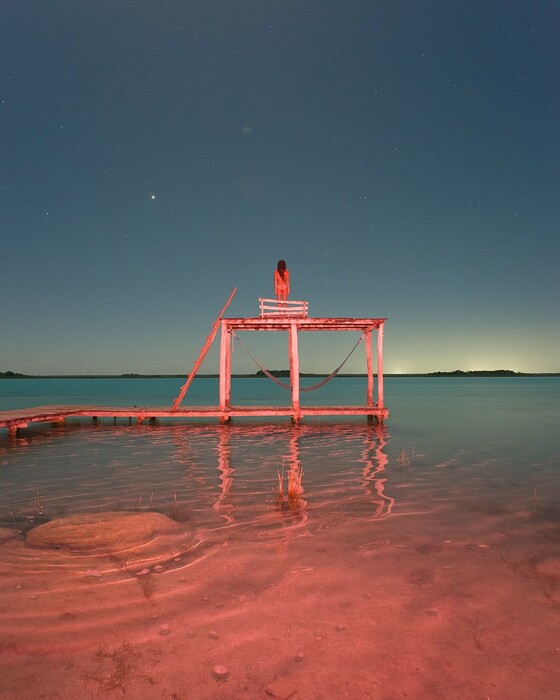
(81, 575)
(220, 481)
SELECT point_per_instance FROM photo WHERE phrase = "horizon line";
(260, 374)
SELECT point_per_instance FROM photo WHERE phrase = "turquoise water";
(520, 411)
(434, 526)
(504, 427)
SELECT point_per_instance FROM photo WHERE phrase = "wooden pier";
(16, 420)
(292, 317)
(287, 316)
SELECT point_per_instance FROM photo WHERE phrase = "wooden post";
(380, 366)
(294, 370)
(369, 365)
(225, 371)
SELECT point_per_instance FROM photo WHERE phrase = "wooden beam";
(283, 323)
(225, 370)
(21, 418)
(369, 365)
(202, 354)
(293, 354)
(380, 366)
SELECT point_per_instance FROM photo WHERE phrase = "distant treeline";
(281, 373)
(479, 373)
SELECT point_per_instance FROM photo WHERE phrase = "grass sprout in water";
(405, 458)
(294, 487)
(280, 487)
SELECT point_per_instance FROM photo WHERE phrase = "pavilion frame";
(292, 325)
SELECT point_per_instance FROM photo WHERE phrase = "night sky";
(401, 156)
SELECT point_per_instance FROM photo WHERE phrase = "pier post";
(225, 372)
(380, 368)
(369, 365)
(293, 354)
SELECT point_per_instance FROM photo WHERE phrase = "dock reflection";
(222, 506)
(299, 471)
(255, 479)
(375, 463)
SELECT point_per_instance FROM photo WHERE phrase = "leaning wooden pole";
(202, 354)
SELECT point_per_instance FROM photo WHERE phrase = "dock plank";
(18, 418)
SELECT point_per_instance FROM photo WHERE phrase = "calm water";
(508, 427)
(452, 510)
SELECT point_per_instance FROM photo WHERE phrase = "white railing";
(273, 307)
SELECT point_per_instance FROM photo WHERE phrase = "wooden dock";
(293, 325)
(16, 420)
(290, 317)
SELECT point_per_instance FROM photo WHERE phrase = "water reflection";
(375, 463)
(291, 503)
(299, 473)
(255, 479)
(224, 508)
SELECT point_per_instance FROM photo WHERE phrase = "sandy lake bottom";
(387, 571)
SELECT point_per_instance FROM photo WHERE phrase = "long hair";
(281, 268)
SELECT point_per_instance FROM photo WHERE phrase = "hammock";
(324, 381)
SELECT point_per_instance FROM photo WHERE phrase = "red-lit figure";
(281, 281)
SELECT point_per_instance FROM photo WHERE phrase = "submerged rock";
(220, 672)
(101, 532)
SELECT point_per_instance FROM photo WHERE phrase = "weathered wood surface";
(282, 323)
(293, 355)
(17, 419)
(287, 307)
(53, 414)
(37, 414)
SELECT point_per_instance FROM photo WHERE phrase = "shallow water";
(418, 559)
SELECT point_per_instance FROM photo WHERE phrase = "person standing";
(281, 281)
